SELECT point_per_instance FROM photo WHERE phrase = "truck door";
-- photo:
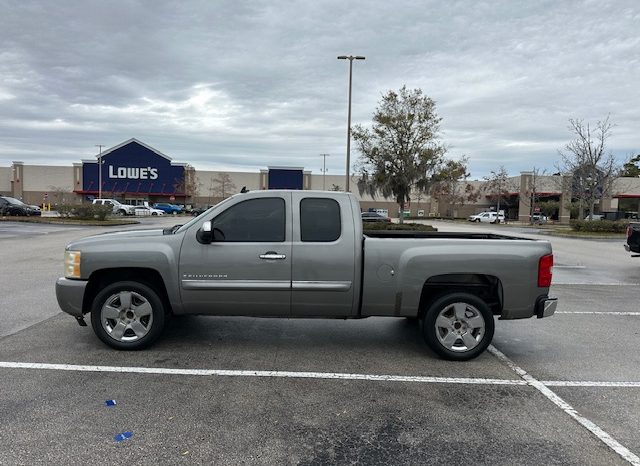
(324, 246)
(246, 270)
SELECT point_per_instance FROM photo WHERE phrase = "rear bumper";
(546, 307)
(70, 294)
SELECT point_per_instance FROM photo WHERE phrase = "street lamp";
(100, 171)
(324, 169)
(350, 58)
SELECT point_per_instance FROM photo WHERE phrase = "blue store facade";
(133, 171)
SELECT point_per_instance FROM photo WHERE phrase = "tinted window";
(253, 220)
(319, 220)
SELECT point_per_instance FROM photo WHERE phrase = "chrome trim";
(312, 285)
(248, 285)
(272, 256)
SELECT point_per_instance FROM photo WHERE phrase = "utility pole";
(350, 58)
(100, 171)
(324, 169)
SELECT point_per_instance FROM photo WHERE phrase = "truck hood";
(117, 236)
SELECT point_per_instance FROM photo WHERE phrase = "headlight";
(72, 264)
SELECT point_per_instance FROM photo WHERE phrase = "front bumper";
(70, 294)
(546, 307)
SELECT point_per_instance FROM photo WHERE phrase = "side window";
(255, 220)
(319, 220)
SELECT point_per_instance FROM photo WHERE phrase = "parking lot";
(223, 390)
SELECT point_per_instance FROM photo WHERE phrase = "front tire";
(128, 315)
(458, 326)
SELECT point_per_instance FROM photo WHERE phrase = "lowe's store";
(133, 173)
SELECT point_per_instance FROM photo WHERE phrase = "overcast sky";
(245, 85)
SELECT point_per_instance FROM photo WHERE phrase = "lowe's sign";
(147, 173)
(133, 168)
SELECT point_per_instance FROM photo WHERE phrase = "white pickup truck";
(304, 254)
(487, 217)
(118, 208)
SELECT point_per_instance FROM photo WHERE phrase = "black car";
(199, 210)
(374, 217)
(12, 206)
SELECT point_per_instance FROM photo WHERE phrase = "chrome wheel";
(126, 316)
(460, 327)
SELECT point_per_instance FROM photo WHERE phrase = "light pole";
(100, 171)
(350, 58)
(324, 169)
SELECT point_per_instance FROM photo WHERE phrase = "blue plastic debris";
(123, 436)
(110, 403)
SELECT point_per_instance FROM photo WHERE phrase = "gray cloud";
(244, 85)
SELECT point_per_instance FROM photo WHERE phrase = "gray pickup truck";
(304, 254)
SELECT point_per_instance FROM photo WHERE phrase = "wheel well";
(101, 278)
(486, 287)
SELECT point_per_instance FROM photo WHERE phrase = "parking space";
(277, 391)
(21, 230)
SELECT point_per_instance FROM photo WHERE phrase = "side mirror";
(205, 233)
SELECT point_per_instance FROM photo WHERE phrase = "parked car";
(250, 256)
(633, 238)
(374, 217)
(12, 206)
(539, 218)
(487, 217)
(118, 208)
(168, 208)
(594, 217)
(199, 210)
(143, 210)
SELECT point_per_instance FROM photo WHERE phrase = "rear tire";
(458, 326)
(128, 315)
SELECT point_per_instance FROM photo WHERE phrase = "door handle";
(272, 255)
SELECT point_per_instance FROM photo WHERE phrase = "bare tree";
(450, 187)
(498, 186)
(222, 186)
(530, 196)
(58, 193)
(188, 184)
(590, 168)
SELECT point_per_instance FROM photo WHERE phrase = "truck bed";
(406, 234)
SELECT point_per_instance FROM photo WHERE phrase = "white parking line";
(568, 283)
(612, 313)
(306, 375)
(572, 383)
(604, 437)
(251, 373)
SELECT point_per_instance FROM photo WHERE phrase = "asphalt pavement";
(233, 390)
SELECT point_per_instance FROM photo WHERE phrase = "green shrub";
(85, 211)
(600, 226)
(397, 226)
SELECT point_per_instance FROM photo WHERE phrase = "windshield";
(14, 201)
(196, 219)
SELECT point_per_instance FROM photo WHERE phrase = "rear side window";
(319, 220)
(254, 220)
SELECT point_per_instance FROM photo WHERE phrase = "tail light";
(545, 271)
(629, 230)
